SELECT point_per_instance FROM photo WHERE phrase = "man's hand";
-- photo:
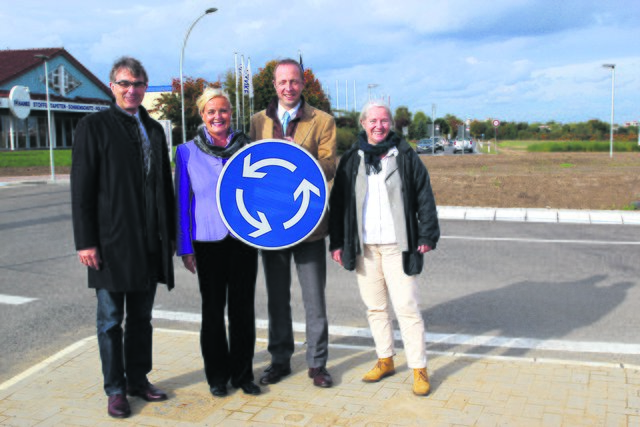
(90, 257)
(189, 262)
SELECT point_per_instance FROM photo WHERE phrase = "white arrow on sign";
(251, 170)
(305, 188)
(261, 225)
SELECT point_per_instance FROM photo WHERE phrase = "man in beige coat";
(289, 117)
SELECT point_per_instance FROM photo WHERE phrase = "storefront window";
(32, 132)
(4, 132)
(21, 133)
(42, 132)
(59, 133)
(62, 81)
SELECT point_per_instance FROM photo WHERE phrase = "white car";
(463, 145)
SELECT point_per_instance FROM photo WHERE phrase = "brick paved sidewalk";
(66, 390)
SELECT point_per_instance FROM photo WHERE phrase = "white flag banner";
(245, 79)
(249, 78)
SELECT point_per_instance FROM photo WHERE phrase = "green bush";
(582, 146)
(345, 138)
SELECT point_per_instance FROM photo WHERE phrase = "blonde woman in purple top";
(226, 267)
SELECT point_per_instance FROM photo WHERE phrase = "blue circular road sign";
(272, 194)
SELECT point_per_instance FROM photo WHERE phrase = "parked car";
(463, 145)
(426, 145)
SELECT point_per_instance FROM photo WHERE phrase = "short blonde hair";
(208, 94)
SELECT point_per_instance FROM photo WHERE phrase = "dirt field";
(518, 179)
(537, 180)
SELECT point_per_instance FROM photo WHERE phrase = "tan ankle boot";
(384, 368)
(421, 384)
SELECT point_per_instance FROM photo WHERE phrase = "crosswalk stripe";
(13, 300)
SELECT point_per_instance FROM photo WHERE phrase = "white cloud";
(514, 59)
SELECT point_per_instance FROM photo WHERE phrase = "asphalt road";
(515, 289)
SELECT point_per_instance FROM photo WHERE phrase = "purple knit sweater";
(196, 178)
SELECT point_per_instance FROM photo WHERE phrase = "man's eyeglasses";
(126, 84)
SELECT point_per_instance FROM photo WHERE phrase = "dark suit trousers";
(227, 272)
(311, 266)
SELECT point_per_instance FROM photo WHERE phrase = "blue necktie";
(285, 122)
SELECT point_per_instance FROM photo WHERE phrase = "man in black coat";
(124, 227)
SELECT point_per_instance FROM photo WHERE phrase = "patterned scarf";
(238, 140)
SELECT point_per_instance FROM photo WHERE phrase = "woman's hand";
(423, 249)
(337, 256)
(189, 262)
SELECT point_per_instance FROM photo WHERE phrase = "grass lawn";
(34, 158)
(518, 146)
(31, 158)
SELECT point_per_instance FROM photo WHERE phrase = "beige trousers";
(382, 282)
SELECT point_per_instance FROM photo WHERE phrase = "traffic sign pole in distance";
(272, 194)
(496, 123)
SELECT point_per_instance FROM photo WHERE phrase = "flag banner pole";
(235, 69)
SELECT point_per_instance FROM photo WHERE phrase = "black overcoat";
(421, 216)
(108, 198)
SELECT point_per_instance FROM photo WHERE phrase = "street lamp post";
(49, 134)
(433, 128)
(613, 83)
(369, 87)
(184, 44)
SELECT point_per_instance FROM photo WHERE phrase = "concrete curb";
(567, 216)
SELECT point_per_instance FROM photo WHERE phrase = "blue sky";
(515, 60)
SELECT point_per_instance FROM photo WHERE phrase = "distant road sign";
(272, 194)
(20, 101)
(496, 123)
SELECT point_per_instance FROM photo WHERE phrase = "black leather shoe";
(250, 388)
(321, 377)
(148, 392)
(118, 406)
(274, 374)
(218, 390)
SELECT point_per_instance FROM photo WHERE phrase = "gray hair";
(208, 94)
(133, 65)
(374, 104)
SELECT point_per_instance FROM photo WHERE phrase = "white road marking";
(452, 339)
(520, 240)
(13, 300)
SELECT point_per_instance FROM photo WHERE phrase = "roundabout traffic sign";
(272, 194)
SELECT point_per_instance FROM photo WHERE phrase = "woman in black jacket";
(383, 218)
